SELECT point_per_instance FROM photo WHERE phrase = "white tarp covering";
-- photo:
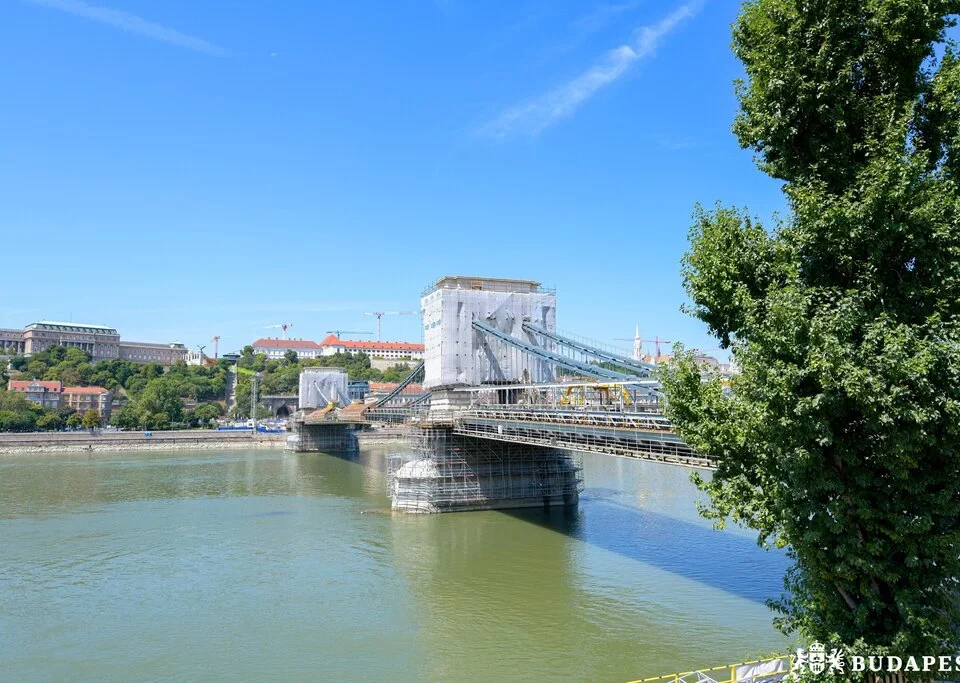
(749, 672)
(457, 354)
(319, 386)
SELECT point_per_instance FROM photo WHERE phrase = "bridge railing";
(757, 671)
(633, 396)
(641, 421)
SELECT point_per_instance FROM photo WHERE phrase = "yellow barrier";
(728, 670)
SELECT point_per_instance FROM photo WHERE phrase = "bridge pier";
(322, 438)
(452, 472)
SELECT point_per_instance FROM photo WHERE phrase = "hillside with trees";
(154, 399)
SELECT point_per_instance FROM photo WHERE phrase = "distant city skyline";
(184, 170)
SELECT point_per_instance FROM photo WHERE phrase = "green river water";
(261, 566)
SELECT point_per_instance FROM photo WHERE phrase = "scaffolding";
(453, 472)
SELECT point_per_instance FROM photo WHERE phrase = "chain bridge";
(512, 402)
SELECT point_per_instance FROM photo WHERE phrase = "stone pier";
(450, 472)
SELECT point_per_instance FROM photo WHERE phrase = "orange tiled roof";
(333, 340)
(24, 384)
(85, 390)
(286, 344)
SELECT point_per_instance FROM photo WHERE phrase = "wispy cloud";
(133, 24)
(603, 14)
(533, 116)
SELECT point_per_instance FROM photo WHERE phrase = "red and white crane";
(281, 326)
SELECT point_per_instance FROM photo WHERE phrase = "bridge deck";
(637, 435)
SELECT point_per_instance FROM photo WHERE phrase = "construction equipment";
(216, 347)
(608, 394)
(380, 315)
(282, 326)
(341, 332)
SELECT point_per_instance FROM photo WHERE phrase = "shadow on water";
(729, 561)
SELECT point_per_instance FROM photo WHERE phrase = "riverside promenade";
(73, 442)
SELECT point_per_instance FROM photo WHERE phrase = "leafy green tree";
(48, 422)
(246, 359)
(290, 357)
(75, 421)
(397, 373)
(157, 421)
(91, 419)
(151, 371)
(54, 353)
(65, 372)
(205, 413)
(11, 421)
(35, 369)
(840, 439)
(160, 396)
(259, 362)
(75, 356)
(125, 418)
(134, 385)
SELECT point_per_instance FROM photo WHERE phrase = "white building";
(276, 348)
(398, 351)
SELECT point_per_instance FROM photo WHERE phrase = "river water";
(271, 566)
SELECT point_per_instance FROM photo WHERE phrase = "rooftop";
(85, 390)
(293, 344)
(55, 325)
(489, 284)
(333, 340)
(24, 384)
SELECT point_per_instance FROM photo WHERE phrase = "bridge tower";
(454, 472)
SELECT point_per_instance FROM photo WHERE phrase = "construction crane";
(339, 332)
(282, 326)
(216, 347)
(380, 315)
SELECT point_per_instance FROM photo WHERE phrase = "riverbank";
(79, 442)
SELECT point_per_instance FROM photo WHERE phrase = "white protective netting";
(457, 355)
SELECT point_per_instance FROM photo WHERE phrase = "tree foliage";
(91, 419)
(841, 437)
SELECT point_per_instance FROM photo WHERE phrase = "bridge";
(512, 402)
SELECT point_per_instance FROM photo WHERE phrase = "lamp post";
(254, 382)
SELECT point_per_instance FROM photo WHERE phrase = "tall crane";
(282, 326)
(339, 332)
(380, 315)
(216, 347)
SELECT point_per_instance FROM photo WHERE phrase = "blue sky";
(184, 169)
